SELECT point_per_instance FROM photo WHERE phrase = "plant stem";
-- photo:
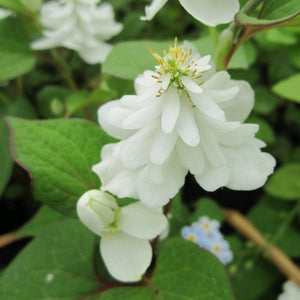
(286, 223)
(64, 69)
(276, 255)
(230, 43)
(214, 36)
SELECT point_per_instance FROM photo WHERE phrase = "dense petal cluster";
(80, 25)
(185, 117)
(205, 233)
(290, 291)
(208, 12)
(125, 232)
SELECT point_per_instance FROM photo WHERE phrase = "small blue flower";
(220, 248)
(210, 227)
(205, 233)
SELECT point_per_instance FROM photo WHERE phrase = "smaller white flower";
(4, 13)
(80, 25)
(208, 12)
(290, 291)
(125, 232)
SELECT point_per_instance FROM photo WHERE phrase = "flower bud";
(97, 210)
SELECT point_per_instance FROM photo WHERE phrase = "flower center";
(175, 64)
(192, 238)
(216, 248)
(206, 226)
(113, 227)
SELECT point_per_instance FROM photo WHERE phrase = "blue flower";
(206, 234)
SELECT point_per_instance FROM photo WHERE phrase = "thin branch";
(272, 252)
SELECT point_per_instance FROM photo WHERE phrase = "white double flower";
(125, 232)
(185, 117)
(290, 291)
(80, 25)
(209, 12)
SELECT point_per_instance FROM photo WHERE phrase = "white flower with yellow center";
(80, 25)
(125, 232)
(209, 12)
(290, 291)
(185, 117)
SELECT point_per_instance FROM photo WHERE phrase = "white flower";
(4, 13)
(80, 25)
(125, 232)
(185, 117)
(290, 291)
(209, 12)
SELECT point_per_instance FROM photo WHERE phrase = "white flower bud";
(97, 210)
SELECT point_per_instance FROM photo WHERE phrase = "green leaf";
(283, 13)
(127, 293)
(129, 59)
(178, 215)
(285, 183)
(44, 218)
(22, 108)
(16, 57)
(184, 271)
(274, 9)
(6, 160)
(15, 5)
(59, 155)
(265, 102)
(207, 207)
(253, 277)
(265, 132)
(289, 88)
(270, 216)
(55, 265)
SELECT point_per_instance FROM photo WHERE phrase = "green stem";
(64, 69)
(290, 217)
(214, 36)
(228, 44)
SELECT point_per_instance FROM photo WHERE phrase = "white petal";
(95, 55)
(170, 112)
(238, 136)
(211, 12)
(141, 222)
(139, 118)
(135, 150)
(157, 195)
(126, 258)
(249, 168)
(218, 80)
(223, 95)
(108, 113)
(211, 148)
(191, 157)
(4, 13)
(213, 178)
(162, 147)
(186, 125)
(153, 8)
(240, 106)
(191, 85)
(207, 105)
(123, 184)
